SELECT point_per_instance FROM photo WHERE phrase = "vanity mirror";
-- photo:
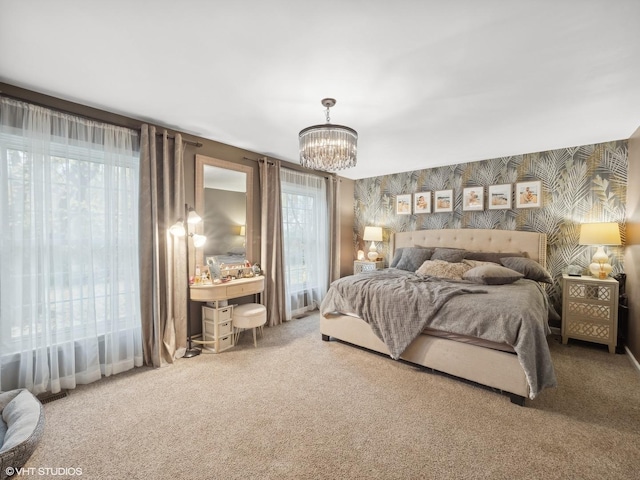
(224, 197)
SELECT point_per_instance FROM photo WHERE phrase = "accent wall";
(578, 185)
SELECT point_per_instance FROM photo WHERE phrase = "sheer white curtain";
(69, 284)
(305, 234)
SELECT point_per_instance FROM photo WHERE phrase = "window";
(69, 249)
(305, 240)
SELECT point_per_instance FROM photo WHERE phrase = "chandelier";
(328, 147)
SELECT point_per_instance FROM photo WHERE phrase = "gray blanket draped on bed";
(398, 305)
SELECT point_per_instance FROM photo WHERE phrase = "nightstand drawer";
(360, 266)
(585, 291)
(589, 310)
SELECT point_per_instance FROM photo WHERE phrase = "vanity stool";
(249, 315)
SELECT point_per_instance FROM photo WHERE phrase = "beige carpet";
(297, 408)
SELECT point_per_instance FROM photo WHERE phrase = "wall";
(579, 184)
(347, 219)
(632, 250)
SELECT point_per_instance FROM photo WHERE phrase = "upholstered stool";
(249, 315)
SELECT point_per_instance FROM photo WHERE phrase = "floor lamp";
(181, 229)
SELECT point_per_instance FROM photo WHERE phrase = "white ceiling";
(425, 83)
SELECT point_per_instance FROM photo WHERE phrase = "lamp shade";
(372, 234)
(606, 233)
(193, 217)
(177, 229)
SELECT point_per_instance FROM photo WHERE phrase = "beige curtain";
(163, 269)
(271, 254)
(333, 194)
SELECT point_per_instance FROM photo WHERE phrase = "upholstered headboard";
(533, 244)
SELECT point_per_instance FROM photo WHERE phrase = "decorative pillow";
(493, 257)
(529, 268)
(492, 275)
(396, 257)
(452, 255)
(477, 263)
(443, 269)
(413, 257)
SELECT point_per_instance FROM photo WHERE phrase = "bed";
(504, 365)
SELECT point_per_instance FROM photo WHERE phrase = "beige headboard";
(533, 244)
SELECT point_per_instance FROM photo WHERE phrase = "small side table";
(590, 310)
(366, 266)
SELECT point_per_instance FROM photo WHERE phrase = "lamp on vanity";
(372, 234)
(181, 229)
(600, 234)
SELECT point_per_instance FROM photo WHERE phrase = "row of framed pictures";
(499, 197)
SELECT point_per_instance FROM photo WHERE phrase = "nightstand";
(590, 310)
(365, 266)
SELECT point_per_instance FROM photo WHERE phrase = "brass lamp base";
(600, 270)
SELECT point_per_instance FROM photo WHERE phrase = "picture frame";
(499, 197)
(403, 204)
(473, 199)
(529, 194)
(443, 201)
(422, 202)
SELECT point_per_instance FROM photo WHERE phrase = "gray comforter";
(398, 305)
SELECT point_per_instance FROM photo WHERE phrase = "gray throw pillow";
(396, 257)
(451, 255)
(413, 257)
(490, 256)
(529, 268)
(492, 275)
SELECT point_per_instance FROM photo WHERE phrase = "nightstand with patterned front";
(365, 266)
(590, 310)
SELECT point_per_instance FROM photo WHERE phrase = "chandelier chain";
(327, 115)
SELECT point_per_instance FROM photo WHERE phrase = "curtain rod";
(188, 142)
(263, 159)
(297, 168)
(116, 124)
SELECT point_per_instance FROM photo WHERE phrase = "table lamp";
(372, 234)
(600, 234)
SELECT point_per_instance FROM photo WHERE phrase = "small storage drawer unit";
(217, 328)
(364, 266)
(590, 310)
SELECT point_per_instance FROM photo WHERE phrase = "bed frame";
(486, 366)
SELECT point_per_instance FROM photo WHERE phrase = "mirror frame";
(201, 161)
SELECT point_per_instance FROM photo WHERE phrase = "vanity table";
(217, 324)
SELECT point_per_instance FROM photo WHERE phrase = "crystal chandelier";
(328, 147)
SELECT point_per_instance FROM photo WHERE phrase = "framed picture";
(529, 194)
(473, 198)
(403, 204)
(443, 201)
(422, 202)
(500, 197)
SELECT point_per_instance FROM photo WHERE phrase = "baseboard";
(632, 358)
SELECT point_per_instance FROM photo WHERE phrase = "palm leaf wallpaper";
(579, 185)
